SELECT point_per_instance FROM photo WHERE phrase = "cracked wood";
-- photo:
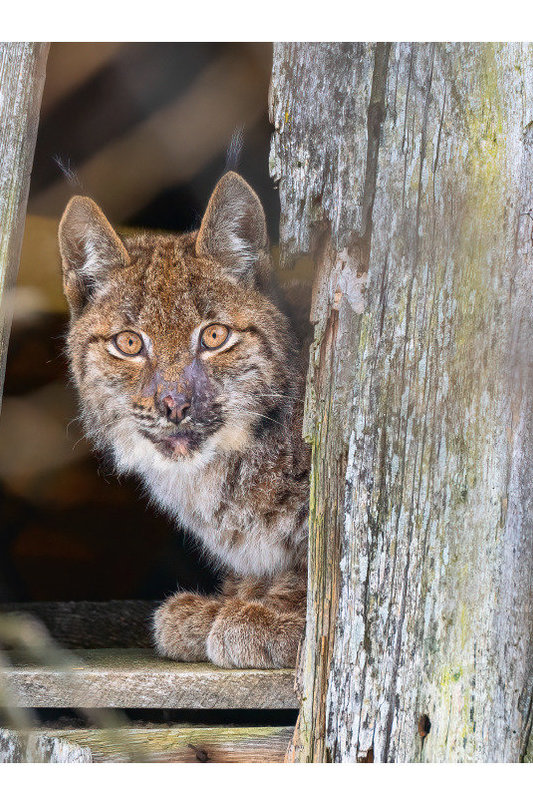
(419, 394)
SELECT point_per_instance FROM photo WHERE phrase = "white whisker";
(257, 414)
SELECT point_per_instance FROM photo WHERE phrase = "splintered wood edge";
(177, 743)
(139, 679)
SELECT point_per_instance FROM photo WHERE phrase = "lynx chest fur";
(190, 376)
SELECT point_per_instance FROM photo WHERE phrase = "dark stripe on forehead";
(166, 284)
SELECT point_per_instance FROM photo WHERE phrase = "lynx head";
(176, 346)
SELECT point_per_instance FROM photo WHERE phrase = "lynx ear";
(89, 248)
(233, 230)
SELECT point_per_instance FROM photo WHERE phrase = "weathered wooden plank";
(71, 64)
(186, 744)
(22, 71)
(91, 625)
(420, 407)
(137, 678)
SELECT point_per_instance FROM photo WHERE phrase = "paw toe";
(181, 625)
(252, 636)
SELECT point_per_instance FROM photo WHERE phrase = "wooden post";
(407, 171)
(22, 72)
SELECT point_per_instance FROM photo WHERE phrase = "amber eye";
(214, 336)
(129, 343)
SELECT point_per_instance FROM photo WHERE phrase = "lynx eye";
(214, 336)
(128, 342)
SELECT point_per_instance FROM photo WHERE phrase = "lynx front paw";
(182, 624)
(251, 635)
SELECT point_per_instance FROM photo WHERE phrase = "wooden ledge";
(134, 678)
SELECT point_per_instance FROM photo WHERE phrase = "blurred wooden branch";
(24, 637)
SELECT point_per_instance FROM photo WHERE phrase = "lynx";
(190, 376)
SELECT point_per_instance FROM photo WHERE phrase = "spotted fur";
(214, 435)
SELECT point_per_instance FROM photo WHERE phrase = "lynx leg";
(259, 631)
(182, 624)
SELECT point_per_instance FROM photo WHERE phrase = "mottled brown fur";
(214, 434)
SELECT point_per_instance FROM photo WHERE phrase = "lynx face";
(176, 348)
(191, 376)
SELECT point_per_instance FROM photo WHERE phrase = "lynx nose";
(176, 408)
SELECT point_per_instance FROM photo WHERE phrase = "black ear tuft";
(89, 248)
(233, 229)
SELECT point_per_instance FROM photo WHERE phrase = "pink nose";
(176, 409)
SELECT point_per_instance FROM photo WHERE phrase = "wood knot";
(366, 758)
(201, 755)
(424, 725)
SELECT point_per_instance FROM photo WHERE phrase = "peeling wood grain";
(419, 406)
(319, 99)
(22, 71)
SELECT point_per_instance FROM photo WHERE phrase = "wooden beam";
(136, 81)
(186, 744)
(137, 678)
(22, 72)
(171, 146)
(92, 624)
(71, 64)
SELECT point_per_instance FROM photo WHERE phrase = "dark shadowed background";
(144, 129)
